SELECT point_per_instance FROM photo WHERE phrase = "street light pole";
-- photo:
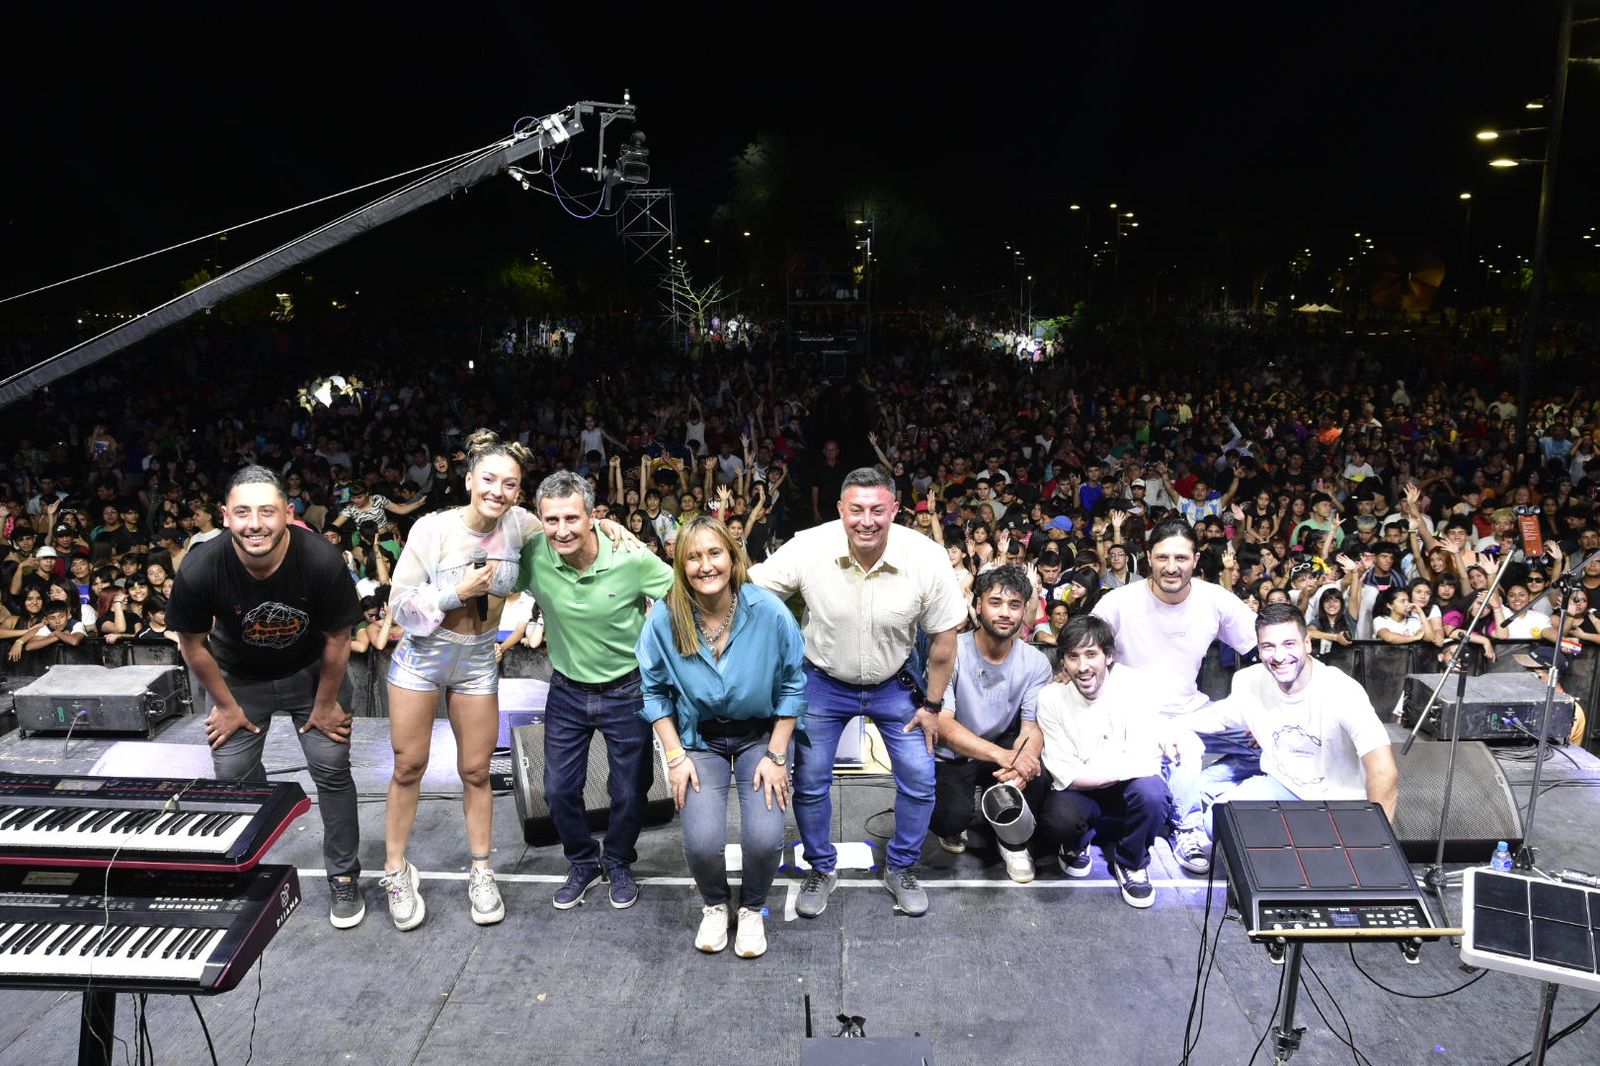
(1541, 240)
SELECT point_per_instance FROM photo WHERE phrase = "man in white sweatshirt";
(1103, 748)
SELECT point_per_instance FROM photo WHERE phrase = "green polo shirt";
(593, 618)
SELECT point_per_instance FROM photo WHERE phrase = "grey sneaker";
(346, 908)
(813, 897)
(909, 896)
(406, 908)
(1192, 849)
(487, 906)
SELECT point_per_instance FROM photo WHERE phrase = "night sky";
(1308, 122)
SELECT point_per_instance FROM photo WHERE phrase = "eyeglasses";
(1536, 579)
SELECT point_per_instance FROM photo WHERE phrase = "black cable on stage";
(1276, 998)
(1410, 995)
(1560, 1036)
(1349, 1039)
(1197, 999)
(144, 1026)
(204, 1028)
(261, 964)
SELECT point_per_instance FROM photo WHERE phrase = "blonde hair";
(680, 602)
(485, 442)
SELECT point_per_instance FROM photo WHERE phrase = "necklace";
(711, 635)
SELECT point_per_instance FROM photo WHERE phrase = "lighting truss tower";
(647, 227)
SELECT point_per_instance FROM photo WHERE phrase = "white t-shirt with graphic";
(1312, 742)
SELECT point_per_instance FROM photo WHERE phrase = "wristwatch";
(778, 758)
(930, 705)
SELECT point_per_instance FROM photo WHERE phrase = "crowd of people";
(1245, 483)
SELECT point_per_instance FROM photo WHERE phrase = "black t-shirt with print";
(263, 630)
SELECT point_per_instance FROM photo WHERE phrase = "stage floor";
(1057, 971)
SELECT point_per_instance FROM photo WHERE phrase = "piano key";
(182, 944)
(100, 934)
(23, 930)
(144, 937)
(50, 943)
(152, 944)
(45, 929)
(68, 944)
(116, 940)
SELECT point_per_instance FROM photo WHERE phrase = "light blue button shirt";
(758, 676)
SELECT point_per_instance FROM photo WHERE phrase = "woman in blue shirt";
(723, 687)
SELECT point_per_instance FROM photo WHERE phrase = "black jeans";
(955, 784)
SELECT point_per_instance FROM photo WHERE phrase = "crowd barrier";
(1380, 668)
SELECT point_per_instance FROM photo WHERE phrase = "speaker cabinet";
(1482, 807)
(527, 768)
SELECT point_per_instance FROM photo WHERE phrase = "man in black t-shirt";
(263, 618)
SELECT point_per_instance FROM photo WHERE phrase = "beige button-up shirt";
(860, 625)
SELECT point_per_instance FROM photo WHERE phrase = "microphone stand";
(1527, 853)
(1434, 877)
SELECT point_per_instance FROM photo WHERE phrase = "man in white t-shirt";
(1165, 624)
(1320, 737)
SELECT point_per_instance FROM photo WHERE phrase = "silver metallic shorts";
(445, 659)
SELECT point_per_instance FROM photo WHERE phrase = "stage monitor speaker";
(96, 699)
(527, 768)
(1499, 708)
(1482, 807)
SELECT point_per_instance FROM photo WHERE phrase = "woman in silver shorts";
(448, 588)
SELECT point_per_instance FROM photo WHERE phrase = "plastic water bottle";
(1502, 858)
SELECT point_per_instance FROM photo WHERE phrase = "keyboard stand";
(97, 1028)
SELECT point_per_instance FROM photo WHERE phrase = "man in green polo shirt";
(594, 600)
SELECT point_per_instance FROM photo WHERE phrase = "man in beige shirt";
(869, 586)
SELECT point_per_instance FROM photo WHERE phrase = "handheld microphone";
(480, 559)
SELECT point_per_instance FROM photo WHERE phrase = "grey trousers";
(239, 757)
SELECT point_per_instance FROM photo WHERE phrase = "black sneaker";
(1136, 888)
(346, 908)
(624, 890)
(579, 880)
(1076, 864)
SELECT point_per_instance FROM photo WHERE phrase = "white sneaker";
(1019, 864)
(406, 908)
(751, 940)
(487, 906)
(713, 934)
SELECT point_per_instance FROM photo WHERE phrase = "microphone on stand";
(480, 559)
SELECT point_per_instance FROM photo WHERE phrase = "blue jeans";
(572, 715)
(829, 705)
(1188, 779)
(729, 764)
(1247, 786)
(239, 757)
